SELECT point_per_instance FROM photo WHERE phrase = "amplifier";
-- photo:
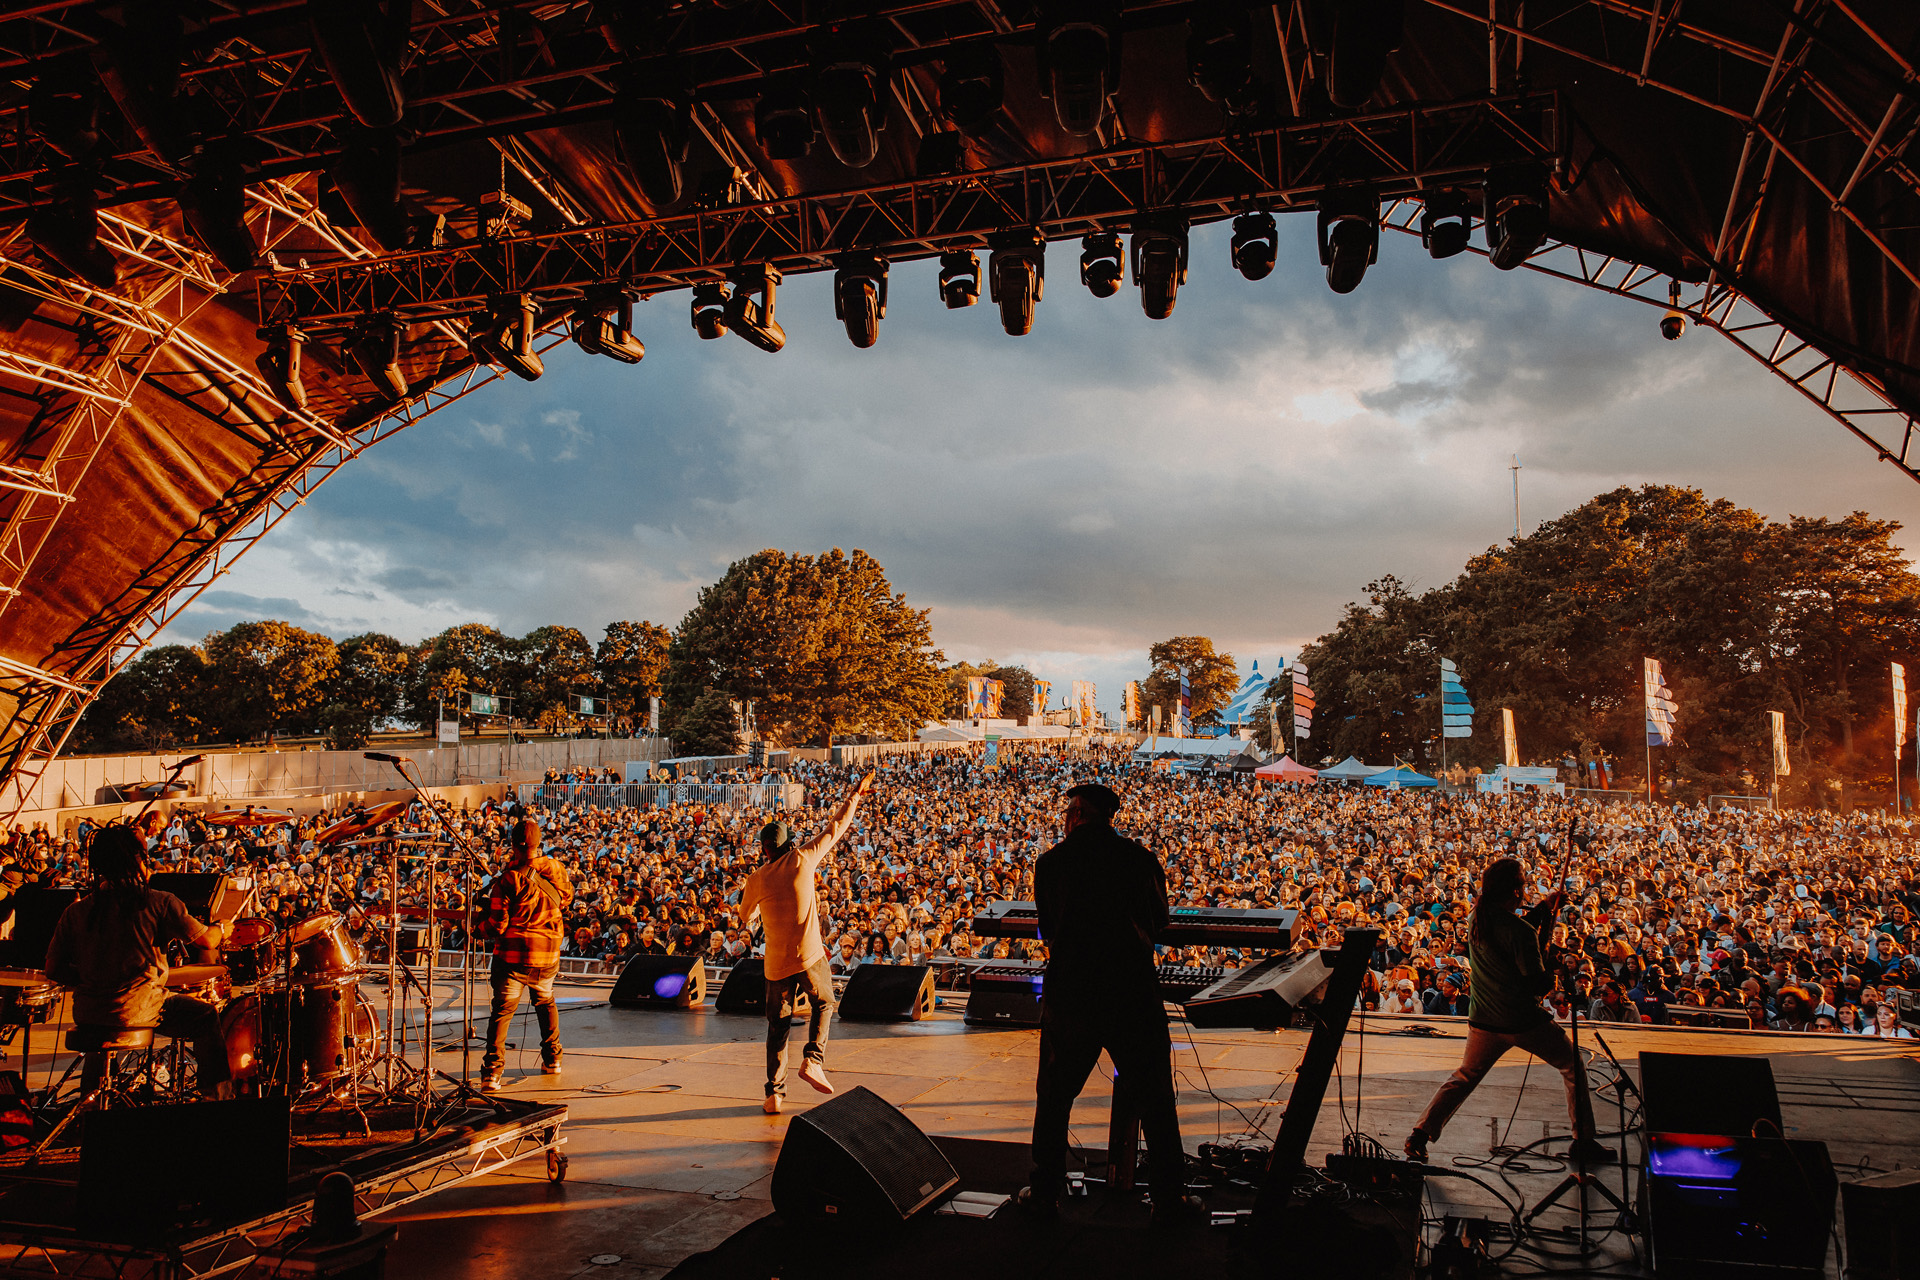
(1006, 994)
(1720, 1208)
(1883, 1226)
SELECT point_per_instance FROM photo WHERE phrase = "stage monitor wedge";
(745, 991)
(856, 1162)
(661, 982)
(888, 993)
(1710, 1093)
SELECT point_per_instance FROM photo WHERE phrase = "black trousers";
(1132, 1028)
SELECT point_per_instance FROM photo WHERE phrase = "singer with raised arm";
(782, 893)
(1504, 1009)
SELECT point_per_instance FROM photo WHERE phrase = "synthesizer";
(1262, 995)
(1008, 992)
(1255, 927)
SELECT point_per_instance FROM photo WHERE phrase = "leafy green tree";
(548, 664)
(1210, 679)
(632, 662)
(471, 657)
(368, 687)
(158, 700)
(821, 644)
(269, 677)
(708, 727)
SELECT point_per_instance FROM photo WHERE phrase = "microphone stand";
(463, 1087)
(173, 776)
(1622, 1084)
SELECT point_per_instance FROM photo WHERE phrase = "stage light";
(959, 278)
(63, 107)
(1102, 263)
(603, 326)
(66, 231)
(505, 337)
(783, 121)
(1349, 236)
(972, 87)
(1080, 64)
(1446, 223)
(1365, 33)
(941, 151)
(860, 296)
(1160, 262)
(279, 364)
(361, 41)
(654, 130)
(1218, 62)
(710, 310)
(1256, 245)
(376, 351)
(1017, 276)
(1516, 213)
(214, 203)
(367, 176)
(750, 309)
(846, 94)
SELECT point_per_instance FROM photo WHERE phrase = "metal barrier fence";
(653, 795)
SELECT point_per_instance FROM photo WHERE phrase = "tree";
(822, 645)
(548, 664)
(471, 657)
(368, 687)
(632, 661)
(708, 727)
(268, 677)
(158, 700)
(1210, 679)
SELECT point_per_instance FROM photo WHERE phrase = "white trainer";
(816, 1075)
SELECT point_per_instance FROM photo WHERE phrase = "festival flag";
(976, 697)
(1153, 724)
(1899, 710)
(1302, 705)
(995, 690)
(1512, 756)
(1185, 728)
(1042, 690)
(1130, 702)
(1456, 713)
(1782, 765)
(1273, 726)
(1083, 703)
(1660, 706)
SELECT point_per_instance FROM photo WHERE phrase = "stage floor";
(670, 1153)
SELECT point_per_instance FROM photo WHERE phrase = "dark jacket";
(1103, 902)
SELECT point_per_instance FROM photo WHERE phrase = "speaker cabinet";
(745, 991)
(1738, 1208)
(1709, 1093)
(1883, 1226)
(661, 982)
(1005, 998)
(888, 993)
(855, 1161)
(150, 1173)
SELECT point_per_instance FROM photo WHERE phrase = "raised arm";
(816, 849)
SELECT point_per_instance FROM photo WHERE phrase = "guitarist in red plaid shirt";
(524, 906)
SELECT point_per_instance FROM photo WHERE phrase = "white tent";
(1214, 748)
(1351, 770)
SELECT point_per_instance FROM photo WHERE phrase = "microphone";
(383, 756)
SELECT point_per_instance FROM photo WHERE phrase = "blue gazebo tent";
(1403, 777)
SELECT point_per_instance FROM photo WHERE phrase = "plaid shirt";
(523, 914)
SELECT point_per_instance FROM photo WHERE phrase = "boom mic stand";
(1622, 1084)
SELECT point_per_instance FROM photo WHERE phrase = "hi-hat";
(362, 822)
(249, 817)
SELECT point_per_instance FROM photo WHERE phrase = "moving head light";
(1256, 244)
(375, 349)
(860, 296)
(1516, 212)
(1160, 263)
(505, 338)
(603, 326)
(1017, 276)
(1446, 223)
(1102, 263)
(750, 309)
(1349, 236)
(959, 278)
(1079, 63)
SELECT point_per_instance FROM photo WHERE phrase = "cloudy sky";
(1240, 470)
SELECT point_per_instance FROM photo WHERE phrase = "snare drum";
(252, 951)
(322, 949)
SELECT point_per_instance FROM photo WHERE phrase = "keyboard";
(1263, 994)
(1179, 983)
(1260, 928)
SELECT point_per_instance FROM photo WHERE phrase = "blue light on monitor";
(669, 985)
(1694, 1157)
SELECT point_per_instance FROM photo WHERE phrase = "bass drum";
(285, 1040)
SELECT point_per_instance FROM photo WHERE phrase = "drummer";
(110, 947)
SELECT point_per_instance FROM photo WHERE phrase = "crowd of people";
(1793, 920)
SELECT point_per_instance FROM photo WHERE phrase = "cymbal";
(312, 926)
(361, 823)
(192, 975)
(249, 817)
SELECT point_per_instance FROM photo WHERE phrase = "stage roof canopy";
(246, 239)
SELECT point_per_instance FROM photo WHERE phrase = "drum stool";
(97, 1047)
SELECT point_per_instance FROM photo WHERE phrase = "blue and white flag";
(1456, 713)
(1660, 706)
(1042, 690)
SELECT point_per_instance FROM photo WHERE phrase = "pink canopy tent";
(1285, 769)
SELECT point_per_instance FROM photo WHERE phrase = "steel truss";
(268, 1238)
(1395, 153)
(1848, 396)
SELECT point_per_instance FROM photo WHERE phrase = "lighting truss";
(1394, 152)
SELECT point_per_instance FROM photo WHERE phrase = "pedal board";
(1376, 1174)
